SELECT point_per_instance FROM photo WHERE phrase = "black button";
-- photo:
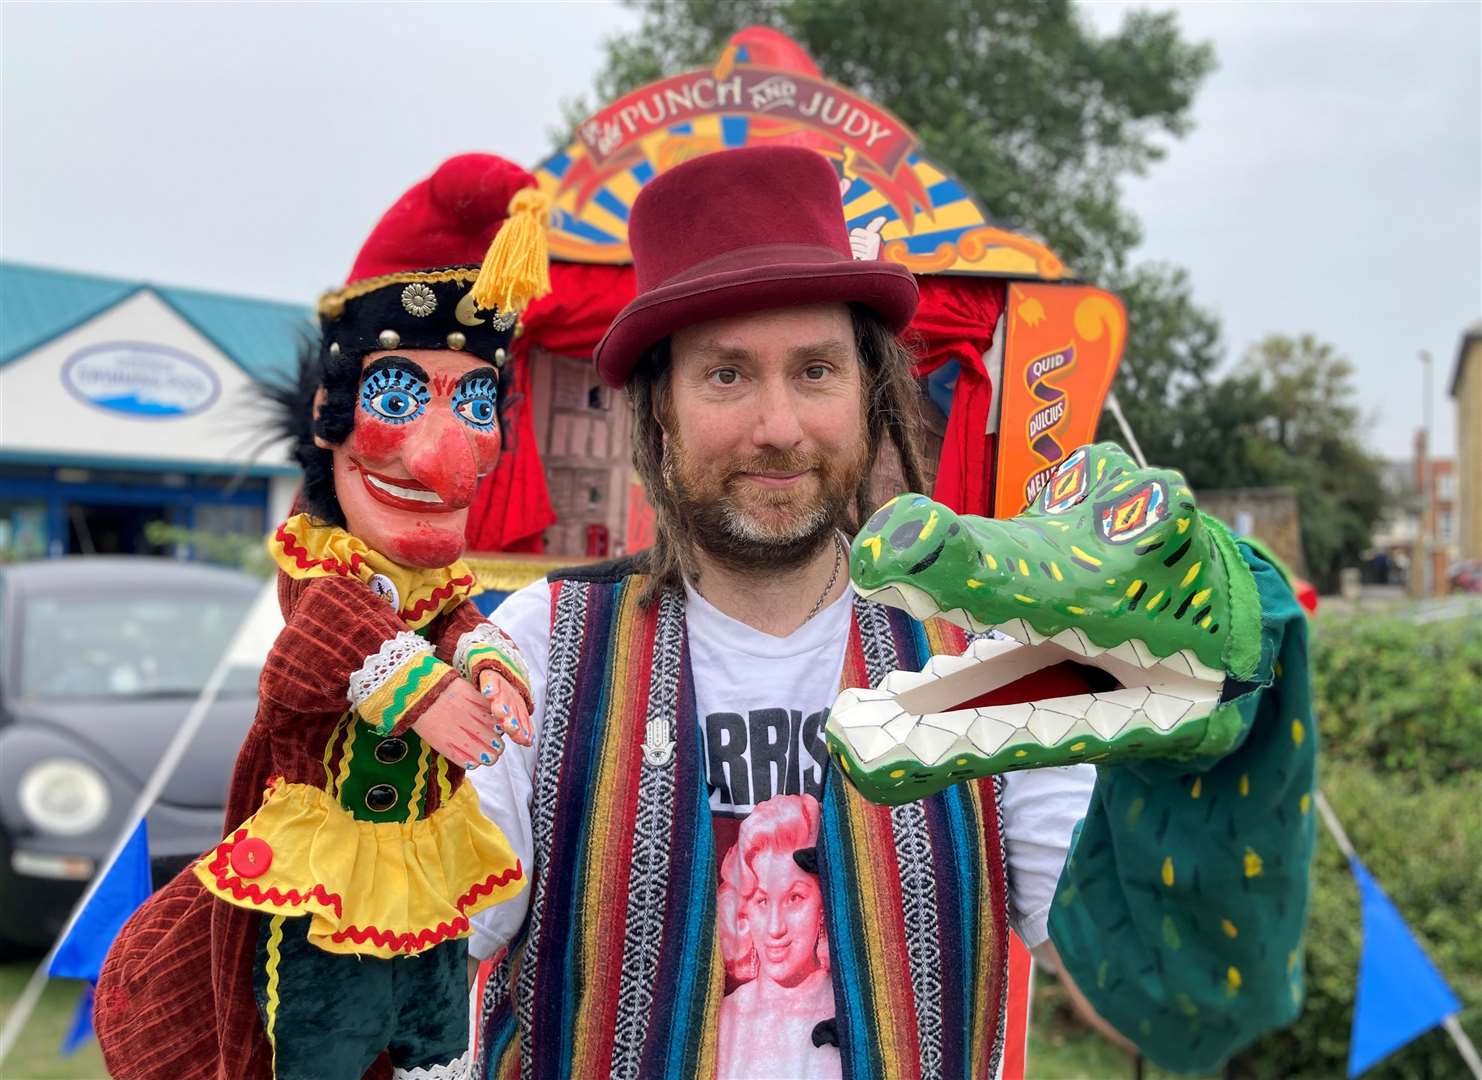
(381, 798)
(390, 751)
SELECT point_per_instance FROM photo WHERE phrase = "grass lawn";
(1059, 1047)
(36, 1056)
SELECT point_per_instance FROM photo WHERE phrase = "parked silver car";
(100, 660)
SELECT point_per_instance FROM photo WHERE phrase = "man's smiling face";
(426, 430)
(766, 431)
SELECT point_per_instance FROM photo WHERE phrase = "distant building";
(1269, 515)
(1397, 533)
(124, 403)
(1466, 391)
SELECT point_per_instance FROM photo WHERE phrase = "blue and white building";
(124, 403)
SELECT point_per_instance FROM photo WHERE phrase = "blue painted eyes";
(394, 395)
(474, 403)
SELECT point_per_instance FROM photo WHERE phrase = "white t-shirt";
(762, 701)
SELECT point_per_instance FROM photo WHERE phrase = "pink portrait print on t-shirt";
(769, 913)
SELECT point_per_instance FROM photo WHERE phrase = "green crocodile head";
(1112, 593)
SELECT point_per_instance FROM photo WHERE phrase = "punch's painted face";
(426, 430)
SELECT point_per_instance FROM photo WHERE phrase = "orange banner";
(1061, 350)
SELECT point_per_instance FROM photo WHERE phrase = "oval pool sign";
(140, 379)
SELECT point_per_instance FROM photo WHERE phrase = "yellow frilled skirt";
(370, 888)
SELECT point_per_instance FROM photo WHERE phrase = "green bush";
(1398, 696)
(1397, 705)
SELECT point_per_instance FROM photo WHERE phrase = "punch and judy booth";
(1014, 356)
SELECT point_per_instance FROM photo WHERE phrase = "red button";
(252, 857)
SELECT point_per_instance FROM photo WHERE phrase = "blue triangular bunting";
(1400, 993)
(127, 886)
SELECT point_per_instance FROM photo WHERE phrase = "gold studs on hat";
(456, 340)
(389, 339)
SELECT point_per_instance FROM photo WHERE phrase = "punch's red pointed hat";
(450, 265)
(738, 231)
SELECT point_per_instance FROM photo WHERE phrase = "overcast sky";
(1333, 183)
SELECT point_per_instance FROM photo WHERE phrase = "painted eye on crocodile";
(1069, 484)
(1133, 512)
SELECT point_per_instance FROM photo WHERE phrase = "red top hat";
(740, 231)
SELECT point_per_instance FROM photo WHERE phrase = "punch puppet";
(322, 937)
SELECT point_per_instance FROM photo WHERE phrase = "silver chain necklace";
(838, 561)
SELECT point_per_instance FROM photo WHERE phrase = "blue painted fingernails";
(486, 759)
(470, 765)
(506, 710)
(488, 691)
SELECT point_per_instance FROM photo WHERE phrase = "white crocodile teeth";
(898, 682)
(1016, 716)
(1178, 662)
(930, 744)
(1049, 727)
(869, 743)
(1145, 657)
(956, 722)
(1133, 652)
(900, 727)
(1073, 640)
(1130, 698)
(1015, 629)
(865, 714)
(989, 735)
(1108, 719)
(1164, 711)
(1201, 670)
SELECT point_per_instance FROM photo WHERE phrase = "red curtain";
(955, 321)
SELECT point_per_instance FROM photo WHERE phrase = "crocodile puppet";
(1137, 633)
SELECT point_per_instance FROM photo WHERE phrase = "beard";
(750, 527)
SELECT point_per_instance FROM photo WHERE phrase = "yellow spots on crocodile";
(1055, 571)
(1024, 599)
(872, 544)
(1232, 981)
(961, 761)
(1305, 802)
(1077, 747)
(1244, 784)
(896, 774)
(1111, 581)
(1204, 622)
(1023, 568)
(1132, 589)
(1182, 525)
(1075, 610)
(1021, 753)
(1229, 928)
(1091, 562)
(1199, 597)
(1152, 604)
(1100, 468)
(973, 583)
(1198, 788)
(1190, 576)
(1253, 864)
(1124, 485)
(929, 527)
(991, 561)
(1168, 871)
(1298, 732)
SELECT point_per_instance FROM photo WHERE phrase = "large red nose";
(445, 460)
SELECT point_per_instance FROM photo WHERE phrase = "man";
(708, 895)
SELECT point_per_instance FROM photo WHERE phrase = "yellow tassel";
(517, 268)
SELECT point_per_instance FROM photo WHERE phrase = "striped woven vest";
(618, 971)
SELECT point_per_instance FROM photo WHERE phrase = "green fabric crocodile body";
(1139, 635)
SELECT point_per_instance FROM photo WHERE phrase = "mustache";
(776, 461)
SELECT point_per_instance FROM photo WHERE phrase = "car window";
(121, 646)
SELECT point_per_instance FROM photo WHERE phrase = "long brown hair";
(890, 395)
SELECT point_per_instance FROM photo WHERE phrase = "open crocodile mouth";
(1031, 700)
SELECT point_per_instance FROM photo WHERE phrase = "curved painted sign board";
(899, 204)
(141, 380)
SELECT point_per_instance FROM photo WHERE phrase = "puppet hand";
(458, 726)
(865, 243)
(507, 707)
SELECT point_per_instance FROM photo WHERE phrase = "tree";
(1038, 114)
(1308, 437)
